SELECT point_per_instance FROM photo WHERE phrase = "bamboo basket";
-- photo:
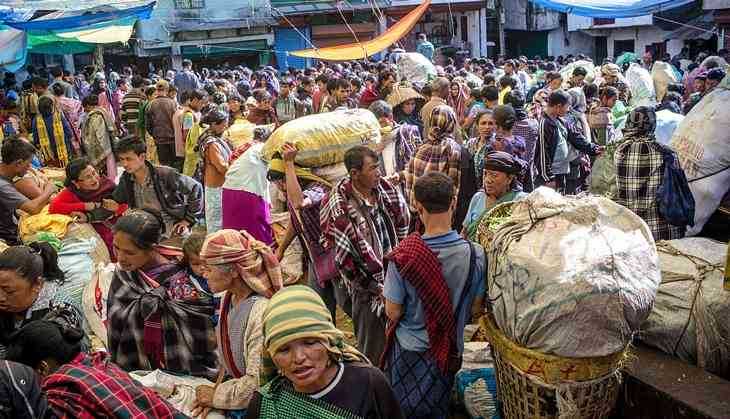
(532, 385)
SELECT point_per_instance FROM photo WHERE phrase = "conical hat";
(401, 94)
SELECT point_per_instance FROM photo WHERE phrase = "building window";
(619, 47)
(598, 21)
(189, 4)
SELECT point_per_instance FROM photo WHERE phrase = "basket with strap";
(533, 385)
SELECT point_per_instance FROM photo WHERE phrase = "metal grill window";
(189, 4)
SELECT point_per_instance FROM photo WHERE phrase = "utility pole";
(499, 10)
(99, 57)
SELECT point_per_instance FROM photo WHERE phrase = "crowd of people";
(390, 243)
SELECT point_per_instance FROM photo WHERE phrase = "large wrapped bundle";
(663, 75)
(701, 142)
(641, 86)
(332, 173)
(95, 300)
(666, 123)
(572, 277)
(415, 68)
(81, 251)
(323, 139)
(567, 71)
(691, 311)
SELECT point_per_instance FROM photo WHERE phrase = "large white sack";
(666, 123)
(415, 68)
(641, 86)
(691, 311)
(95, 300)
(702, 143)
(663, 75)
(572, 276)
(567, 71)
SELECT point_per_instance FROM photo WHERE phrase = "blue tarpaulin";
(83, 20)
(611, 8)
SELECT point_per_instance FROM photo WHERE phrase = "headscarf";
(504, 162)
(443, 123)
(611, 69)
(641, 122)
(278, 165)
(297, 312)
(254, 260)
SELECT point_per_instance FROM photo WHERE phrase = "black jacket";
(180, 196)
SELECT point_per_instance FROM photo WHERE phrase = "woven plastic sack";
(179, 391)
(95, 300)
(476, 391)
(641, 86)
(323, 139)
(626, 57)
(666, 123)
(567, 71)
(571, 276)
(332, 173)
(663, 75)
(689, 319)
(415, 68)
(702, 144)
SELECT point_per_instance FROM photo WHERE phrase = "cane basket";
(589, 392)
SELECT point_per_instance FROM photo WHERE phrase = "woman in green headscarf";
(309, 371)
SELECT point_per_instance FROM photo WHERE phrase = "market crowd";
(149, 161)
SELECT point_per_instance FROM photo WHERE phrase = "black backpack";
(674, 198)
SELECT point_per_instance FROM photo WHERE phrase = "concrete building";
(208, 31)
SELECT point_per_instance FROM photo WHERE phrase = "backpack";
(674, 198)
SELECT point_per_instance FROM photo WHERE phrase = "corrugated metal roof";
(292, 7)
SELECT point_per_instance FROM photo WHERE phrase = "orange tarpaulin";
(365, 49)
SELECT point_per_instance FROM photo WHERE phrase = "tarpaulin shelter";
(362, 50)
(611, 8)
(66, 32)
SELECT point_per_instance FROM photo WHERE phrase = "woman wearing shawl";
(505, 118)
(246, 201)
(71, 109)
(440, 153)
(249, 274)
(77, 385)
(308, 369)
(527, 128)
(639, 161)
(406, 103)
(107, 99)
(52, 134)
(215, 153)
(97, 133)
(158, 316)
(502, 172)
(458, 96)
(88, 197)
(477, 146)
(30, 280)
(577, 124)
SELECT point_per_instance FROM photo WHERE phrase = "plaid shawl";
(254, 260)
(354, 256)
(184, 324)
(443, 156)
(91, 386)
(639, 172)
(418, 265)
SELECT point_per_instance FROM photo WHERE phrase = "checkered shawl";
(91, 386)
(187, 331)
(418, 265)
(354, 256)
(639, 172)
(254, 260)
(440, 154)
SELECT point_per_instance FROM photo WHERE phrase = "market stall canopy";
(362, 50)
(611, 8)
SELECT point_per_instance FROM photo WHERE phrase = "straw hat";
(401, 94)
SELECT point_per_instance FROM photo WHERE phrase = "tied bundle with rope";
(689, 315)
(52, 150)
